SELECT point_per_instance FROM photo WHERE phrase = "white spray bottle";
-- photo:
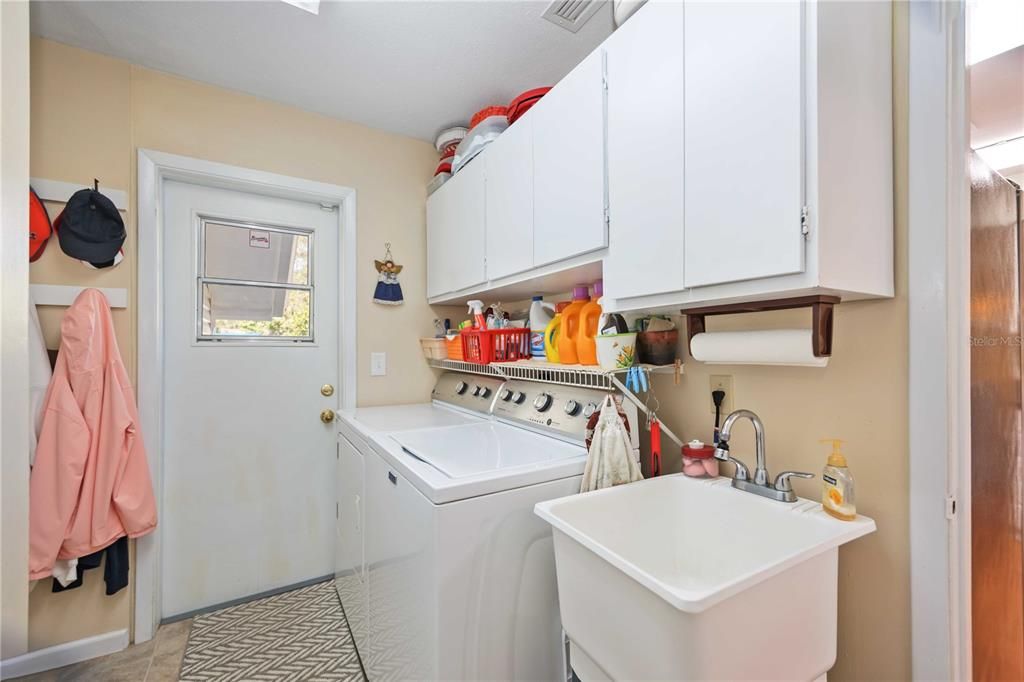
(477, 310)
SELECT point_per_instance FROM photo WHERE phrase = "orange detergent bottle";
(590, 314)
(567, 353)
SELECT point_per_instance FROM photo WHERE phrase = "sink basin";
(691, 579)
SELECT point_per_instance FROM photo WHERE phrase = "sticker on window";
(258, 239)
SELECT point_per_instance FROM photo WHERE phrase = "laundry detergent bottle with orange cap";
(590, 315)
(567, 353)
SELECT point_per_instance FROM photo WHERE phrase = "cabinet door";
(645, 153)
(350, 565)
(438, 218)
(509, 167)
(743, 172)
(569, 165)
(464, 231)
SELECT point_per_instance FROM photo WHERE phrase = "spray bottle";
(477, 310)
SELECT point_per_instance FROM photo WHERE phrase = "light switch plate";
(723, 382)
(378, 364)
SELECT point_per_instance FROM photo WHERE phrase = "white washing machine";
(443, 569)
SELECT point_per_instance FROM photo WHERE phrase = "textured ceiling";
(405, 67)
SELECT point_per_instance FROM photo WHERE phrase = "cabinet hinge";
(950, 507)
(607, 217)
(337, 511)
(324, 206)
(805, 228)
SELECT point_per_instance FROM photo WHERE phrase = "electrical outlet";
(378, 364)
(721, 382)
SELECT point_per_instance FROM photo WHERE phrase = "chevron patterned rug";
(298, 636)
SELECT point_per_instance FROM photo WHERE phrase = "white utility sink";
(691, 579)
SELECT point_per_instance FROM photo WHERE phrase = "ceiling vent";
(571, 14)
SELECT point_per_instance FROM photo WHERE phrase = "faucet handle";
(722, 454)
(782, 480)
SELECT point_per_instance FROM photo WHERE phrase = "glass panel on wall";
(233, 310)
(255, 254)
(254, 282)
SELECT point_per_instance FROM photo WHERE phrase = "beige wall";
(860, 397)
(91, 113)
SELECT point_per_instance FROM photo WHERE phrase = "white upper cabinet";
(438, 220)
(645, 153)
(456, 232)
(751, 158)
(706, 152)
(569, 189)
(466, 231)
(509, 168)
(743, 131)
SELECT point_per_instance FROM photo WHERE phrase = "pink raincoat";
(90, 484)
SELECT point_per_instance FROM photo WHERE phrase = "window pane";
(252, 254)
(239, 310)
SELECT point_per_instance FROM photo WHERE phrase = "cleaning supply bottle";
(551, 338)
(541, 315)
(477, 309)
(590, 315)
(570, 325)
(837, 496)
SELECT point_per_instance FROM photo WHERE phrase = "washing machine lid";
(391, 418)
(472, 450)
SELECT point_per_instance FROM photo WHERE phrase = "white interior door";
(251, 334)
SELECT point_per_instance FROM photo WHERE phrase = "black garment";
(115, 570)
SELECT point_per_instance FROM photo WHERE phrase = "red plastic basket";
(495, 345)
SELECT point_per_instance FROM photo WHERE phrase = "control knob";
(589, 410)
(542, 402)
(461, 387)
(506, 394)
(572, 407)
(485, 392)
(519, 397)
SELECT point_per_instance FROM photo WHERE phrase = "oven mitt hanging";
(388, 291)
(610, 461)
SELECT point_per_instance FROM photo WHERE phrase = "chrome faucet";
(780, 489)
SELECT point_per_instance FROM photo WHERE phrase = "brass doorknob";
(327, 416)
(327, 390)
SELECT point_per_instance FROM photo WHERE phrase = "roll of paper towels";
(790, 347)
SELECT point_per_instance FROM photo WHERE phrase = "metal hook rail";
(643, 408)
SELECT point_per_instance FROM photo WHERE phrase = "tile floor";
(158, 660)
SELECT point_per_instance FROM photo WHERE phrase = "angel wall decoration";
(388, 291)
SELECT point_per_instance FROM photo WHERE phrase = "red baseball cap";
(39, 227)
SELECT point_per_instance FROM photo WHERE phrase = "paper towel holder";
(821, 317)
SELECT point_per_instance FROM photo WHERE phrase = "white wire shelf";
(583, 376)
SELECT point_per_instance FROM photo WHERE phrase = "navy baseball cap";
(90, 228)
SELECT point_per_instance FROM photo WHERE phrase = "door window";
(254, 282)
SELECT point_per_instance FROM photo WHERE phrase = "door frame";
(154, 168)
(939, 372)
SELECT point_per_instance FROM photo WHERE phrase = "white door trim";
(939, 351)
(154, 168)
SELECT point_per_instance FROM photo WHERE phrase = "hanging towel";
(39, 374)
(90, 484)
(115, 570)
(610, 461)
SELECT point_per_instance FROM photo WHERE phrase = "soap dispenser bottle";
(837, 497)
